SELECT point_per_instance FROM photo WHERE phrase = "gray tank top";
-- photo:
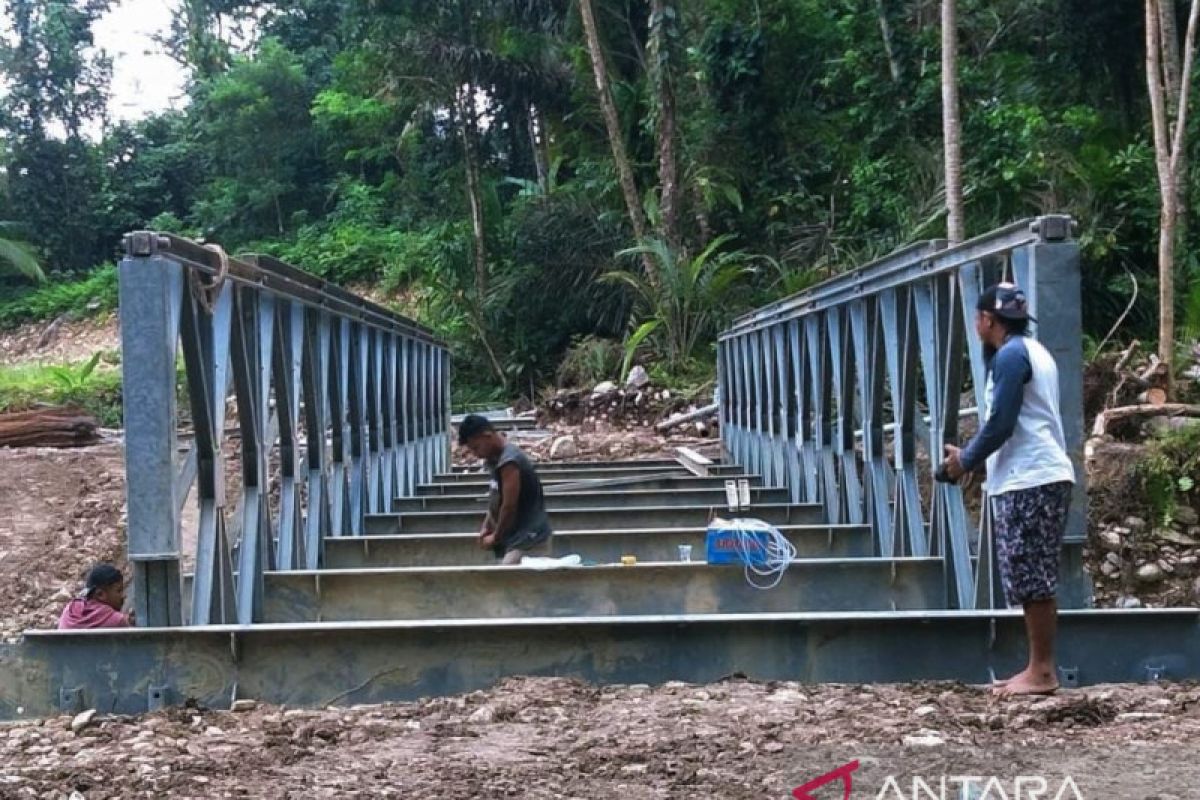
(532, 525)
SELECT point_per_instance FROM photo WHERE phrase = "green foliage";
(1191, 310)
(254, 121)
(56, 83)
(694, 379)
(332, 135)
(1169, 472)
(634, 342)
(17, 258)
(94, 294)
(686, 302)
(590, 360)
(356, 242)
(73, 379)
(94, 386)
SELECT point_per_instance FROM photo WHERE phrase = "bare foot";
(1023, 674)
(1027, 683)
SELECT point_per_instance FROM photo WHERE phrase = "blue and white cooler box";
(737, 541)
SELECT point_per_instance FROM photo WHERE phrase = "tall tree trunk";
(538, 144)
(1169, 54)
(885, 29)
(1172, 70)
(951, 126)
(661, 26)
(1170, 153)
(701, 215)
(468, 131)
(633, 202)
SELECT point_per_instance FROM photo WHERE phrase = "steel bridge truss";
(341, 405)
(834, 392)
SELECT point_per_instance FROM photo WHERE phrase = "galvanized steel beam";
(581, 519)
(312, 368)
(598, 546)
(900, 329)
(863, 584)
(375, 662)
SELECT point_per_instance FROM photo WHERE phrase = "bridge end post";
(151, 290)
(1049, 272)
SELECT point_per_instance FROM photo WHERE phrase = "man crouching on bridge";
(99, 604)
(1029, 475)
(516, 524)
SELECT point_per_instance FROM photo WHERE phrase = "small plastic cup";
(685, 552)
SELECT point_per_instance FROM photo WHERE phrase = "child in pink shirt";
(99, 604)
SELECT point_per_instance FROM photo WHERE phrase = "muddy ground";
(59, 341)
(60, 511)
(554, 738)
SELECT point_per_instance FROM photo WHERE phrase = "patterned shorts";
(1028, 526)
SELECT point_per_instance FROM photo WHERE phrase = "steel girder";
(343, 404)
(833, 392)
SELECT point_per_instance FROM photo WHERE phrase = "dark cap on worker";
(103, 575)
(471, 426)
(1005, 300)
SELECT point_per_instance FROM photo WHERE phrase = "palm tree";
(681, 307)
(17, 257)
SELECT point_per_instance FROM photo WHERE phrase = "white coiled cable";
(778, 556)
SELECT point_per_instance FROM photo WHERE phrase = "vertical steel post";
(205, 339)
(1050, 274)
(842, 384)
(288, 367)
(766, 351)
(869, 372)
(446, 410)
(408, 427)
(821, 394)
(315, 375)
(781, 437)
(151, 290)
(339, 397)
(723, 398)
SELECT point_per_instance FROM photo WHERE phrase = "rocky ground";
(1134, 560)
(551, 738)
(59, 341)
(555, 738)
(60, 512)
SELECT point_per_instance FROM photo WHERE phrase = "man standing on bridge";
(1029, 474)
(516, 524)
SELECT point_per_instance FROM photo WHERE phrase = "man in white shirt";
(1030, 476)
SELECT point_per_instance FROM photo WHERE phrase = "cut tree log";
(700, 413)
(1105, 418)
(1153, 396)
(48, 427)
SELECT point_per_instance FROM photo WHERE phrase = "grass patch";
(1170, 473)
(93, 385)
(95, 294)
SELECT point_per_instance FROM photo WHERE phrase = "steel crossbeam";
(825, 393)
(341, 407)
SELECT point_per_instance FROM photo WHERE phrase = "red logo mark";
(843, 772)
